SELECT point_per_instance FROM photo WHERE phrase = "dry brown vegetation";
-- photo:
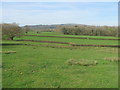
(82, 62)
(116, 59)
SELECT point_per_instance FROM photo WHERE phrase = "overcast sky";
(91, 13)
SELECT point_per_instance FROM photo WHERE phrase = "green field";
(60, 34)
(77, 41)
(45, 65)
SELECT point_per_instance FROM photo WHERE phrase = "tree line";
(89, 30)
(9, 31)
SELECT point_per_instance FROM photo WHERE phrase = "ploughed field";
(53, 60)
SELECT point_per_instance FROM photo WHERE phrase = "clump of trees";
(89, 30)
(9, 31)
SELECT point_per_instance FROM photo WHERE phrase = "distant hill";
(54, 26)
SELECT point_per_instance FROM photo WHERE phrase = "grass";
(58, 34)
(50, 68)
(32, 43)
(40, 66)
(77, 41)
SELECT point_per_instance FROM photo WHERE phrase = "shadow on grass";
(7, 44)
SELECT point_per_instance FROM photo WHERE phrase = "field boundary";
(73, 37)
(72, 44)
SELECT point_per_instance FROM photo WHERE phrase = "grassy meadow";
(54, 65)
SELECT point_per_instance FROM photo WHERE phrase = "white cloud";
(90, 15)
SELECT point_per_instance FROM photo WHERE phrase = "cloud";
(54, 13)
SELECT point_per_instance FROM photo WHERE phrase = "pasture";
(57, 65)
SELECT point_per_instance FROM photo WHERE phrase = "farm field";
(73, 40)
(58, 34)
(55, 65)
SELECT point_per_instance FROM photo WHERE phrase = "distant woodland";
(9, 31)
(76, 29)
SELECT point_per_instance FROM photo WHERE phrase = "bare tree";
(10, 31)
